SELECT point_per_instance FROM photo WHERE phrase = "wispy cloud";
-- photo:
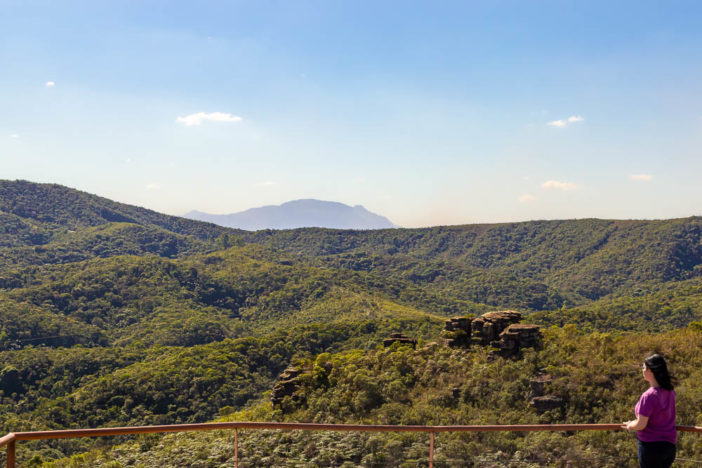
(565, 122)
(13, 135)
(49, 84)
(200, 117)
(266, 183)
(526, 198)
(641, 177)
(153, 186)
(558, 185)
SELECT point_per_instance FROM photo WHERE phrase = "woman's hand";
(638, 424)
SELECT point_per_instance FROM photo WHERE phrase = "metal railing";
(10, 439)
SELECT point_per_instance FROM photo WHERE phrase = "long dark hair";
(657, 365)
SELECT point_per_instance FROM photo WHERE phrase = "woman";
(655, 416)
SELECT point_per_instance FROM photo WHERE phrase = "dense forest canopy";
(112, 314)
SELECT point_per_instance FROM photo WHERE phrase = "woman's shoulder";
(658, 394)
(661, 391)
(655, 393)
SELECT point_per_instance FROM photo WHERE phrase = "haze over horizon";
(457, 113)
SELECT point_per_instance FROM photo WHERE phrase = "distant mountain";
(297, 214)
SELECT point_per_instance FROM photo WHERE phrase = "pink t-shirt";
(659, 406)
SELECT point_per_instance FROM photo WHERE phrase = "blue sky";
(426, 112)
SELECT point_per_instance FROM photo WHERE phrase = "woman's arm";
(639, 424)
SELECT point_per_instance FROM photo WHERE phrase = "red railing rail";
(10, 439)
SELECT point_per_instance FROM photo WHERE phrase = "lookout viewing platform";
(12, 438)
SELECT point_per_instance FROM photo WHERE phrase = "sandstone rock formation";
(538, 385)
(286, 385)
(538, 398)
(515, 338)
(499, 329)
(487, 328)
(457, 332)
(399, 337)
(546, 403)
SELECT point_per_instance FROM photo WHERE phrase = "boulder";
(488, 327)
(516, 337)
(546, 403)
(399, 338)
(457, 332)
(458, 323)
(538, 385)
(286, 385)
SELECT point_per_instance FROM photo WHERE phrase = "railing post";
(431, 450)
(11, 454)
(236, 448)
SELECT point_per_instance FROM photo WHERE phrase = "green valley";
(112, 315)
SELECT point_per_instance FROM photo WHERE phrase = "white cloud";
(641, 177)
(526, 198)
(153, 186)
(565, 122)
(267, 183)
(555, 184)
(200, 117)
(13, 135)
(49, 84)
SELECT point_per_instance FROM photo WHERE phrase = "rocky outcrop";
(488, 327)
(538, 398)
(539, 385)
(287, 384)
(546, 403)
(399, 338)
(516, 337)
(457, 332)
(499, 329)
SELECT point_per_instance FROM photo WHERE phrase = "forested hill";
(31, 214)
(537, 265)
(546, 263)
